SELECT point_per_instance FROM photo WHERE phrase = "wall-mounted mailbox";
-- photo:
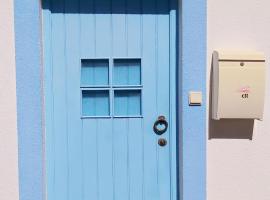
(238, 85)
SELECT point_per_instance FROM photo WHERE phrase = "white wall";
(8, 125)
(239, 168)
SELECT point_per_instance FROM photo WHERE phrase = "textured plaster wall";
(29, 98)
(192, 75)
(239, 168)
(8, 125)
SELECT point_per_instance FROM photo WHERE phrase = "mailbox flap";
(253, 56)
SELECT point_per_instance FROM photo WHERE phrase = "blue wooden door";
(109, 70)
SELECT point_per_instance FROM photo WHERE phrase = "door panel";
(107, 79)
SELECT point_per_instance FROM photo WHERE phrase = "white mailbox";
(238, 85)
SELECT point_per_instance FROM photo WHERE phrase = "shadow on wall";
(228, 128)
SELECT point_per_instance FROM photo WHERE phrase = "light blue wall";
(192, 120)
(29, 98)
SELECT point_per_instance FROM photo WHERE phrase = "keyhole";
(162, 142)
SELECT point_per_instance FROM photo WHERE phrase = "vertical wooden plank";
(119, 28)
(61, 179)
(120, 145)
(135, 159)
(103, 50)
(87, 28)
(102, 26)
(133, 28)
(135, 138)
(149, 100)
(72, 64)
(104, 151)
(90, 159)
(89, 126)
(163, 95)
(163, 56)
(120, 132)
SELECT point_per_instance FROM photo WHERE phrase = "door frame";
(190, 155)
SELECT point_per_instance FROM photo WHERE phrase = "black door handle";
(160, 125)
